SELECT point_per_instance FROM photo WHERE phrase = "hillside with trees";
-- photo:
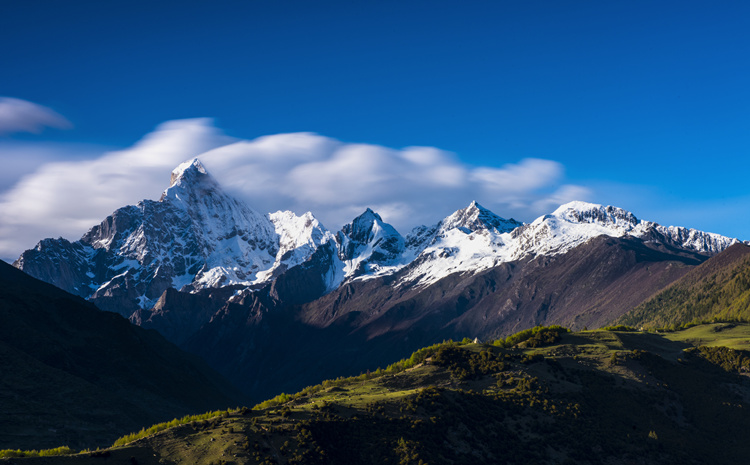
(716, 290)
(552, 397)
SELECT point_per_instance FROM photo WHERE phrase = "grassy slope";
(595, 397)
(718, 289)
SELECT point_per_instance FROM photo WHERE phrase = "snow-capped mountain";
(194, 237)
(474, 239)
(466, 241)
(232, 284)
(577, 222)
(198, 237)
(369, 246)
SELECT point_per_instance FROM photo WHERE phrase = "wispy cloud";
(66, 198)
(18, 115)
(409, 186)
(300, 171)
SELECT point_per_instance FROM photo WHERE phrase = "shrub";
(736, 361)
(10, 453)
(618, 328)
(127, 439)
(535, 337)
(464, 364)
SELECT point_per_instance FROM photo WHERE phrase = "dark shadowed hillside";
(542, 396)
(72, 374)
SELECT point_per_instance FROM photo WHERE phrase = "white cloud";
(18, 115)
(299, 172)
(527, 176)
(66, 198)
(563, 194)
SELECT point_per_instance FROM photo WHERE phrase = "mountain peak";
(368, 243)
(189, 170)
(361, 228)
(368, 216)
(475, 217)
(191, 182)
(585, 212)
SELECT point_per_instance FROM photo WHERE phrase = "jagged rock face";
(58, 262)
(368, 245)
(194, 237)
(177, 315)
(475, 217)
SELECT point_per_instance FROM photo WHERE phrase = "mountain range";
(277, 301)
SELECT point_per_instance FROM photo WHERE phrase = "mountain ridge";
(198, 237)
(195, 269)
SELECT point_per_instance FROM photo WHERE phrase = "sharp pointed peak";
(190, 179)
(367, 214)
(475, 217)
(190, 169)
(362, 226)
(474, 205)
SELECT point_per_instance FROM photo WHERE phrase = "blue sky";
(639, 104)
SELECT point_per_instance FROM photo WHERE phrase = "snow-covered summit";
(576, 222)
(462, 243)
(471, 221)
(196, 236)
(584, 212)
(476, 217)
(298, 239)
(368, 245)
(187, 171)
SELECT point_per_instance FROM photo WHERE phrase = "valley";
(582, 397)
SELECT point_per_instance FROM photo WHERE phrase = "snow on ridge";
(457, 250)
(476, 217)
(617, 222)
(298, 239)
(197, 236)
(184, 168)
(369, 247)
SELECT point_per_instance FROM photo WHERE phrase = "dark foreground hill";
(718, 289)
(72, 374)
(594, 397)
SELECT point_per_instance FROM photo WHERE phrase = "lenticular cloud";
(18, 115)
(299, 172)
